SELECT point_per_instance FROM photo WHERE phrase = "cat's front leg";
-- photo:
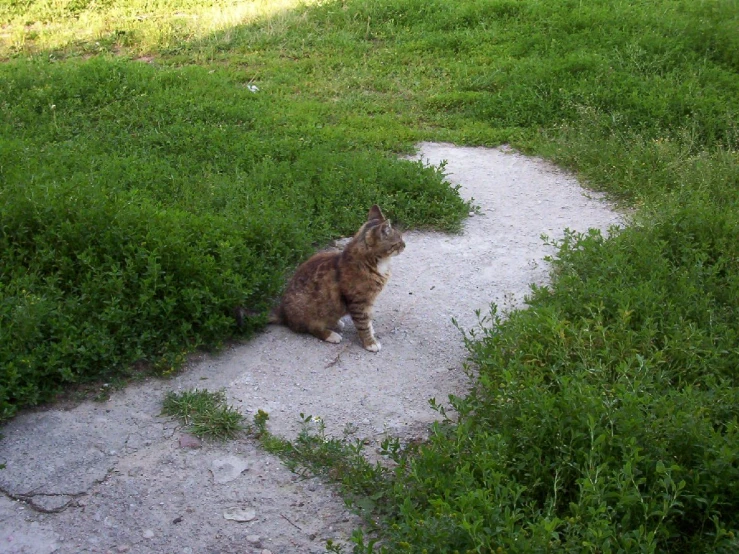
(373, 347)
(363, 322)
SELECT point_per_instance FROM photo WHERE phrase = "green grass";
(141, 206)
(139, 202)
(205, 414)
(605, 416)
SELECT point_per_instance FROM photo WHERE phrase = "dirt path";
(113, 477)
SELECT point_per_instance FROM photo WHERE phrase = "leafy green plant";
(205, 413)
(135, 220)
(595, 426)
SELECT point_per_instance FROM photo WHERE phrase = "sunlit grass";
(137, 26)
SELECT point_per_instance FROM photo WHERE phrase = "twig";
(337, 359)
(291, 523)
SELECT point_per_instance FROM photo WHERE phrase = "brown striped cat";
(330, 285)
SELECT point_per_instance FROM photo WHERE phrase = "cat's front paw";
(373, 347)
(334, 338)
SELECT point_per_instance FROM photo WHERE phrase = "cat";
(330, 285)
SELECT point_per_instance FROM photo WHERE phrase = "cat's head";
(379, 236)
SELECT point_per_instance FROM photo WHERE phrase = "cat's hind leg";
(322, 333)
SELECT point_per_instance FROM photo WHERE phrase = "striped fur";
(330, 285)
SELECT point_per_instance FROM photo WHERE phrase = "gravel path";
(117, 477)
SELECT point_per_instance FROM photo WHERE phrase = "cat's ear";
(386, 228)
(375, 213)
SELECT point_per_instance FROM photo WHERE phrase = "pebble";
(148, 534)
(189, 441)
(254, 539)
(227, 469)
(239, 514)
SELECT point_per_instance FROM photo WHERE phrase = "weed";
(205, 413)
(336, 460)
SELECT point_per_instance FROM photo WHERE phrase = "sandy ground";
(114, 476)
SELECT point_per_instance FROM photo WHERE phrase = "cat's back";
(318, 268)
(313, 294)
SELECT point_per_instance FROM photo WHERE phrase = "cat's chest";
(383, 267)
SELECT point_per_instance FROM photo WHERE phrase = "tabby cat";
(331, 284)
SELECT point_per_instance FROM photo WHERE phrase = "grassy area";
(140, 201)
(141, 205)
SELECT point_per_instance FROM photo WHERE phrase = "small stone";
(239, 514)
(148, 534)
(227, 469)
(189, 441)
(254, 539)
(123, 548)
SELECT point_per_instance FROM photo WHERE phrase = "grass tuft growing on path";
(204, 413)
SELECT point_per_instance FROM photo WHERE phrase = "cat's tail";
(275, 316)
(240, 313)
